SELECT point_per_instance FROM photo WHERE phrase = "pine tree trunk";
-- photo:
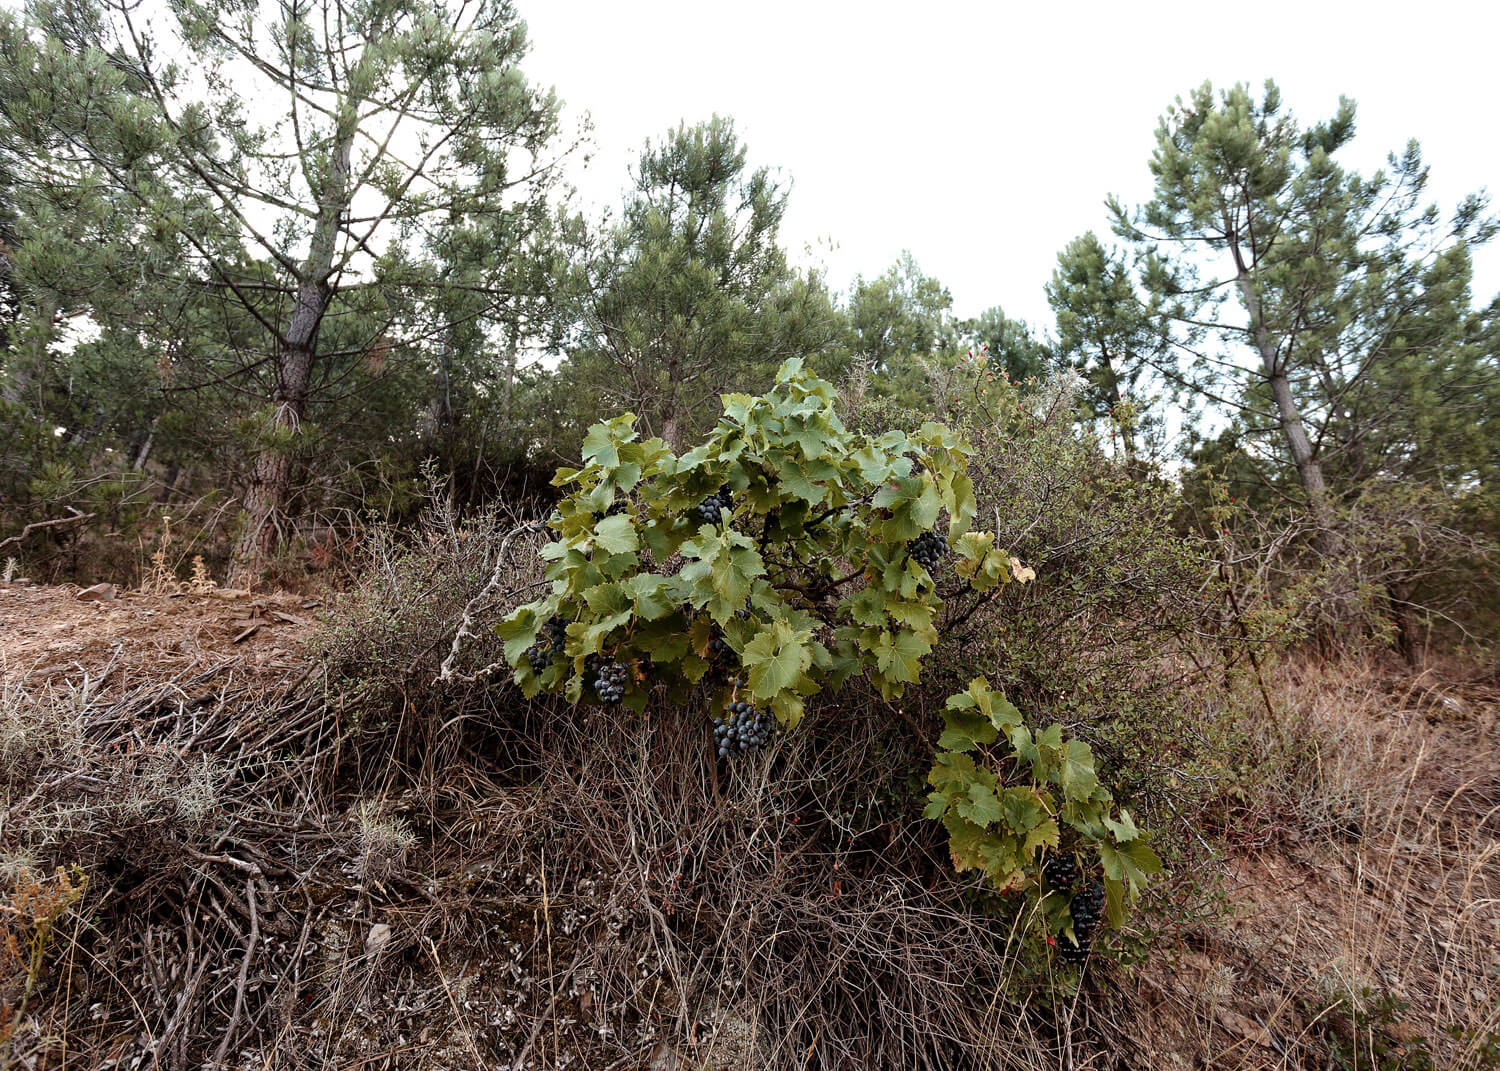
(262, 520)
(507, 390)
(440, 409)
(1404, 616)
(1309, 471)
(671, 431)
(671, 416)
(168, 484)
(143, 452)
(1126, 437)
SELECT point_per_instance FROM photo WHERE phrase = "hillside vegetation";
(440, 629)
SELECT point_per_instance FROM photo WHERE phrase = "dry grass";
(1366, 912)
(367, 870)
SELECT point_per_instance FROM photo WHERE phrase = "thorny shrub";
(386, 640)
(1406, 566)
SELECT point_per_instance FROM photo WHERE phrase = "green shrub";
(775, 561)
(1125, 637)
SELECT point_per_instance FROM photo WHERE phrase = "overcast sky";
(984, 136)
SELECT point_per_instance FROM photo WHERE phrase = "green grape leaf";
(966, 843)
(776, 659)
(627, 475)
(809, 434)
(1045, 835)
(788, 708)
(958, 496)
(1114, 903)
(867, 607)
(1124, 830)
(519, 632)
(980, 805)
(898, 655)
(607, 600)
(1132, 863)
(965, 730)
(651, 594)
(601, 446)
(724, 566)
(1023, 810)
(1003, 715)
(1076, 769)
(952, 772)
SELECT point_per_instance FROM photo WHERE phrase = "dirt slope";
(1383, 897)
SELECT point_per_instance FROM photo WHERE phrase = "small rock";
(1245, 1028)
(379, 937)
(663, 1059)
(97, 593)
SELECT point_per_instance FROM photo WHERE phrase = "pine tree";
(1349, 295)
(689, 293)
(1011, 344)
(1114, 338)
(306, 231)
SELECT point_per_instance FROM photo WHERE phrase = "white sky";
(983, 137)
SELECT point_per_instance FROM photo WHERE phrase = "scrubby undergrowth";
(377, 851)
(267, 879)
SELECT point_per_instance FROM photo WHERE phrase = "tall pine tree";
(306, 218)
(1328, 308)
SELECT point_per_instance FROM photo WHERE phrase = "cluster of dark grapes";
(549, 644)
(722, 661)
(928, 550)
(746, 731)
(707, 511)
(1061, 872)
(1087, 908)
(609, 682)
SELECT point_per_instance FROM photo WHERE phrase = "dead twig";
(239, 987)
(36, 526)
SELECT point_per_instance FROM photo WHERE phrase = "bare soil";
(1394, 910)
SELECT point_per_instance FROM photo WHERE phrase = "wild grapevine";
(774, 560)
